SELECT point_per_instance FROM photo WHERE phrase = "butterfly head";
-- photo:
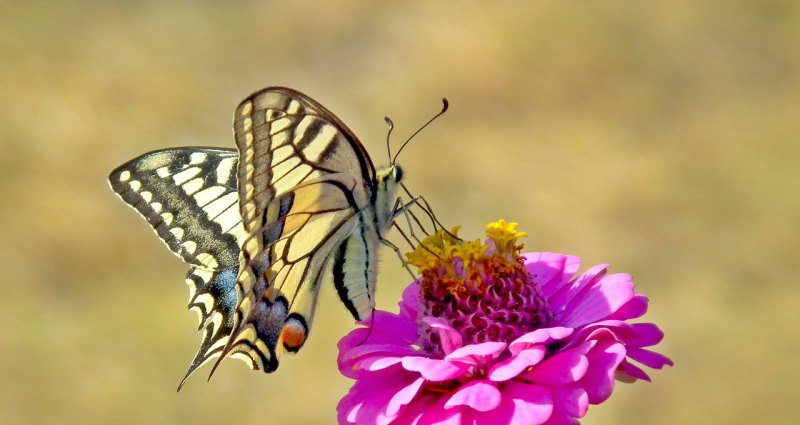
(387, 180)
(397, 173)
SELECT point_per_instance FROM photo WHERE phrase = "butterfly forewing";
(188, 196)
(285, 138)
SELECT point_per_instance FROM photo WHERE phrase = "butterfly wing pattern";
(189, 197)
(260, 227)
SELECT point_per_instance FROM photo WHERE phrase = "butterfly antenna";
(389, 123)
(445, 105)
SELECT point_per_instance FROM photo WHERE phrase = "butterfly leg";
(399, 255)
(423, 204)
(406, 210)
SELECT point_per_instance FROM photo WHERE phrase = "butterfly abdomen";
(355, 264)
(355, 269)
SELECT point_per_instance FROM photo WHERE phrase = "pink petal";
(403, 397)
(599, 379)
(386, 328)
(414, 411)
(409, 303)
(477, 354)
(348, 415)
(532, 404)
(649, 358)
(628, 372)
(367, 400)
(572, 399)
(539, 337)
(632, 336)
(390, 350)
(647, 335)
(393, 326)
(449, 338)
(516, 364)
(481, 395)
(598, 301)
(354, 363)
(435, 413)
(559, 299)
(434, 369)
(635, 307)
(563, 368)
(358, 367)
(561, 418)
(412, 414)
(605, 330)
(548, 269)
(373, 364)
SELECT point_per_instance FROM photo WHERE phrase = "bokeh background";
(661, 138)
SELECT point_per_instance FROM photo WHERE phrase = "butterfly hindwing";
(189, 197)
(304, 227)
(213, 297)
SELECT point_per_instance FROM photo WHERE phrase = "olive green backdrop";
(660, 137)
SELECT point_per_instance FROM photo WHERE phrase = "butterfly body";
(260, 226)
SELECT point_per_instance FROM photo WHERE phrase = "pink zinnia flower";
(489, 336)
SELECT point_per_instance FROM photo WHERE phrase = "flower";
(488, 335)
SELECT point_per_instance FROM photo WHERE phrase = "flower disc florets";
(482, 289)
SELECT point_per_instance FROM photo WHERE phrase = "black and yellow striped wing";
(189, 197)
(303, 180)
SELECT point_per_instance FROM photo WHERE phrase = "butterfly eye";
(398, 174)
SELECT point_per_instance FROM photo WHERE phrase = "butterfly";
(259, 225)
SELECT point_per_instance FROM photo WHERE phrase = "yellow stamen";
(505, 236)
(460, 262)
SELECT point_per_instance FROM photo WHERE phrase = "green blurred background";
(661, 138)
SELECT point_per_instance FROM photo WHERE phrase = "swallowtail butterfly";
(258, 226)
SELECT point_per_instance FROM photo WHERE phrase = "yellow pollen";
(505, 236)
(452, 264)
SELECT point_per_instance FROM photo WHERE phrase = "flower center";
(482, 289)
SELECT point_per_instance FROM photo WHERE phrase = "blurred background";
(662, 139)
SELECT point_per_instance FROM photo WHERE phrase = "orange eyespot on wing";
(294, 333)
